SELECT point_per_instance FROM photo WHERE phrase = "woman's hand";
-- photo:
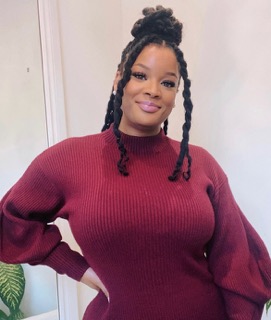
(91, 279)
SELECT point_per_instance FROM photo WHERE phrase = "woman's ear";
(116, 80)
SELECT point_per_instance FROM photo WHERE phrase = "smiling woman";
(150, 94)
(154, 245)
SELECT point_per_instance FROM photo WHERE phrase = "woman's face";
(149, 96)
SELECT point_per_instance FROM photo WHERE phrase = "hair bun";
(159, 21)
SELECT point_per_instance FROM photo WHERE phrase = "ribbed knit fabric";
(164, 250)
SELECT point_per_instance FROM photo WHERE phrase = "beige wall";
(22, 125)
(227, 47)
(90, 40)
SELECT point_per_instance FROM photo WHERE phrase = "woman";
(162, 237)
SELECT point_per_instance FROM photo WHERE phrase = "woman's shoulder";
(201, 152)
(69, 150)
(203, 163)
(203, 160)
(195, 151)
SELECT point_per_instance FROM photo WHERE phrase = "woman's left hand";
(91, 279)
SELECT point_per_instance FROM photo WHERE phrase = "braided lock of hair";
(109, 116)
(188, 106)
(117, 118)
(118, 100)
(161, 28)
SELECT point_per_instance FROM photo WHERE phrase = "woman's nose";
(153, 89)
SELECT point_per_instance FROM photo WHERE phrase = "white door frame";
(56, 126)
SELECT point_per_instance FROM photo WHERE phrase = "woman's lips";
(148, 106)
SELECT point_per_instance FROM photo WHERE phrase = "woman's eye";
(169, 84)
(139, 75)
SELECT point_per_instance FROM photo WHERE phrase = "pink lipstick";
(148, 106)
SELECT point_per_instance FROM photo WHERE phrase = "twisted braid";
(118, 99)
(165, 127)
(188, 106)
(117, 117)
(109, 117)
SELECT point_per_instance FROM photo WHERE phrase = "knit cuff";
(66, 261)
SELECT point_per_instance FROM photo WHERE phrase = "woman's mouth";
(148, 106)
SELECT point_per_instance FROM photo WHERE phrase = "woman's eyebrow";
(169, 73)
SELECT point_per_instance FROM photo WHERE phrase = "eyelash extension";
(142, 76)
(139, 75)
(169, 84)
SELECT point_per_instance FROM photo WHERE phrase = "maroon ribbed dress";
(164, 250)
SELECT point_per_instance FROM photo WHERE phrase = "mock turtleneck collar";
(137, 144)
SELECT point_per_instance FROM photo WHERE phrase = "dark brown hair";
(158, 26)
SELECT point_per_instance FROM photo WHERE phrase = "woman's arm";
(27, 234)
(238, 259)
